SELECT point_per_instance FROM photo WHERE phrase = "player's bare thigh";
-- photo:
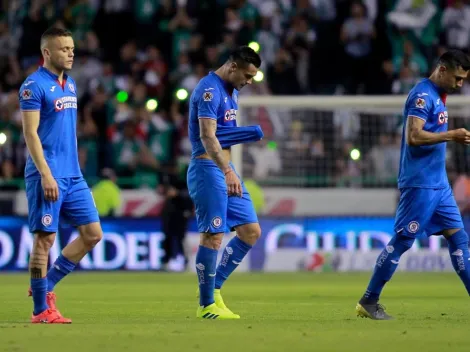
(249, 233)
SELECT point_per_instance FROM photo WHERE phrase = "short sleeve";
(208, 101)
(419, 105)
(30, 96)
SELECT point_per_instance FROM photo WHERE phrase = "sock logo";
(460, 261)
(229, 250)
(227, 253)
(389, 249)
(200, 273)
(47, 220)
(413, 227)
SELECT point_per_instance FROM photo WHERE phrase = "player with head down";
(221, 200)
(54, 182)
(427, 205)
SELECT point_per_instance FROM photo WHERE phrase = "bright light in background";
(355, 154)
(151, 105)
(122, 96)
(259, 76)
(255, 46)
(271, 145)
(3, 138)
(182, 94)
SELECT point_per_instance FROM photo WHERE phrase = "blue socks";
(206, 263)
(233, 255)
(387, 262)
(459, 255)
(39, 288)
(61, 267)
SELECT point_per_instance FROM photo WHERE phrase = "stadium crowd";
(136, 62)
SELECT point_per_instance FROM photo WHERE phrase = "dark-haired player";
(427, 205)
(54, 182)
(221, 200)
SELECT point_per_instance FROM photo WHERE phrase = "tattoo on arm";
(208, 128)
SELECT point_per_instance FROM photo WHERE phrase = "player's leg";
(43, 219)
(414, 211)
(206, 185)
(78, 206)
(447, 221)
(242, 217)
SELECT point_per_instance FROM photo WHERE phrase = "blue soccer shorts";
(426, 211)
(75, 204)
(216, 212)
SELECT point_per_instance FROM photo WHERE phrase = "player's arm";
(30, 121)
(416, 135)
(208, 127)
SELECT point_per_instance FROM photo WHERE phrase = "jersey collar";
(440, 91)
(52, 75)
(228, 87)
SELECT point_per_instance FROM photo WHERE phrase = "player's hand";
(51, 190)
(461, 135)
(234, 186)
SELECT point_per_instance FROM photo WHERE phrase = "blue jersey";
(425, 166)
(212, 98)
(57, 105)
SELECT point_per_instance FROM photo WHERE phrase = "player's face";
(452, 80)
(241, 76)
(59, 51)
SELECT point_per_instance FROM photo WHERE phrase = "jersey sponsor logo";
(52, 88)
(207, 96)
(422, 94)
(420, 103)
(230, 115)
(217, 222)
(443, 117)
(65, 103)
(413, 226)
(47, 220)
(26, 94)
(71, 88)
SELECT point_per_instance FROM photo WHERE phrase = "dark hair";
(54, 32)
(244, 55)
(453, 59)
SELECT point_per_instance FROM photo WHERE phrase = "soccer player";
(54, 182)
(427, 205)
(221, 200)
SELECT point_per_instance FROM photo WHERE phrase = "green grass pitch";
(280, 312)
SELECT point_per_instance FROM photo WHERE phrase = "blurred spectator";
(107, 194)
(132, 57)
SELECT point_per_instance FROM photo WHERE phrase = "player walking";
(54, 182)
(221, 200)
(427, 204)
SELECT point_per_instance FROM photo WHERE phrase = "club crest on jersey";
(26, 94)
(413, 227)
(207, 96)
(217, 222)
(420, 103)
(230, 115)
(65, 103)
(71, 88)
(443, 117)
(47, 220)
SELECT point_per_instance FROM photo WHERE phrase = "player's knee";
(213, 241)
(91, 234)
(458, 239)
(43, 241)
(249, 233)
(399, 244)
